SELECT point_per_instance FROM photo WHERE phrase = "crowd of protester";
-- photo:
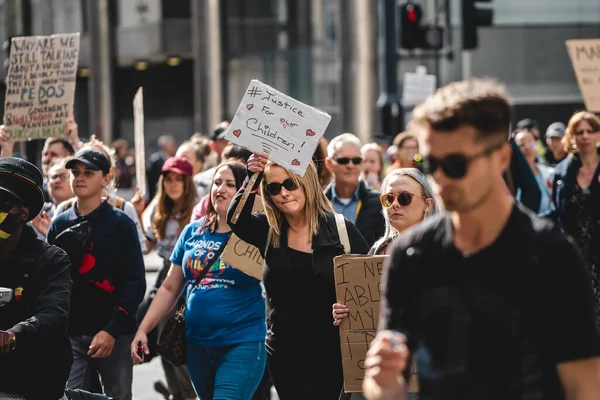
(244, 336)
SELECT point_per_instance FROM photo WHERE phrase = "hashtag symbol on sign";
(254, 92)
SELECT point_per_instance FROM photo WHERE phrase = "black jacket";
(370, 221)
(297, 306)
(565, 179)
(38, 316)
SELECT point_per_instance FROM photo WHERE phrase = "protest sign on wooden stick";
(40, 85)
(140, 152)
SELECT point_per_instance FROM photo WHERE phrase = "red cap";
(179, 165)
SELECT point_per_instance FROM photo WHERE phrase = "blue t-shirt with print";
(227, 307)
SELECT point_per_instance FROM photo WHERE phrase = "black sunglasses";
(404, 199)
(274, 188)
(346, 160)
(454, 166)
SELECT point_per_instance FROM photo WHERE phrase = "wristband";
(13, 342)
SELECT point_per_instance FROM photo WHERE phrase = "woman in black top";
(576, 192)
(304, 356)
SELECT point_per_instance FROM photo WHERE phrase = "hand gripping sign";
(271, 122)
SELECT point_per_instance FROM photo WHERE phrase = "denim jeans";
(226, 373)
(115, 371)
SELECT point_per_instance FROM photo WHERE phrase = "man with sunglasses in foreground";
(348, 194)
(35, 354)
(494, 302)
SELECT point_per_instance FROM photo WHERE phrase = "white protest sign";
(40, 85)
(140, 153)
(585, 57)
(271, 122)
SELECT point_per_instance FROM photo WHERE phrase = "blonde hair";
(316, 206)
(426, 192)
(576, 119)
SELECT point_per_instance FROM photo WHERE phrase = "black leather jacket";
(38, 314)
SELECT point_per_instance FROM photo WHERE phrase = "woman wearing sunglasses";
(407, 199)
(304, 356)
(576, 192)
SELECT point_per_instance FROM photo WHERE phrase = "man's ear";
(212, 145)
(329, 164)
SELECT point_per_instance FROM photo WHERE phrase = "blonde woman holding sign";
(299, 235)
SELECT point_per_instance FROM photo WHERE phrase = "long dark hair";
(239, 173)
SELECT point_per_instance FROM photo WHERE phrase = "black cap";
(24, 181)
(220, 130)
(93, 159)
(527, 123)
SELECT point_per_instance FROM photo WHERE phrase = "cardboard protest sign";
(585, 57)
(140, 152)
(40, 85)
(242, 255)
(358, 286)
(271, 122)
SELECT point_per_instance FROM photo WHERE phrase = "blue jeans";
(226, 373)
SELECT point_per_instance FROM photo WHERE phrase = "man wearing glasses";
(494, 302)
(348, 194)
(35, 288)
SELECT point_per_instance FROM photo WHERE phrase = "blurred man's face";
(342, 166)
(556, 147)
(219, 145)
(50, 153)
(483, 171)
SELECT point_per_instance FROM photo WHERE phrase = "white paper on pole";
(271, 122)
(138, 129)
(417, 87)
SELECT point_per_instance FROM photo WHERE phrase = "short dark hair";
(480, 103)
(65, 142)
(234, 152)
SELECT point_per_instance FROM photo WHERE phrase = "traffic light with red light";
(472, 18)
(411, 33)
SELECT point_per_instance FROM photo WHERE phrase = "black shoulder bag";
(171, 344)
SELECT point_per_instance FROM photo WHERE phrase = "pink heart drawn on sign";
(295, 162)
(249, 106)
(310, 132)
(237, 132)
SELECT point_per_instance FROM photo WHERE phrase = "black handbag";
(74, 241)
(172, 345)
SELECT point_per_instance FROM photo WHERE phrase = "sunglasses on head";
(589, 132)
(346, 160)
(404, 198)
(274, 188)
(454, 166)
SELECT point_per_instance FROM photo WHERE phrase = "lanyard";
(358, 207)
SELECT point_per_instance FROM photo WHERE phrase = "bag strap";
(269, 236)
(343, 232)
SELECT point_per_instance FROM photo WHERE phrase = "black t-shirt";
(495, 324)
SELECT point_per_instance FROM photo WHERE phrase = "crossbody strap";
(343, 232)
